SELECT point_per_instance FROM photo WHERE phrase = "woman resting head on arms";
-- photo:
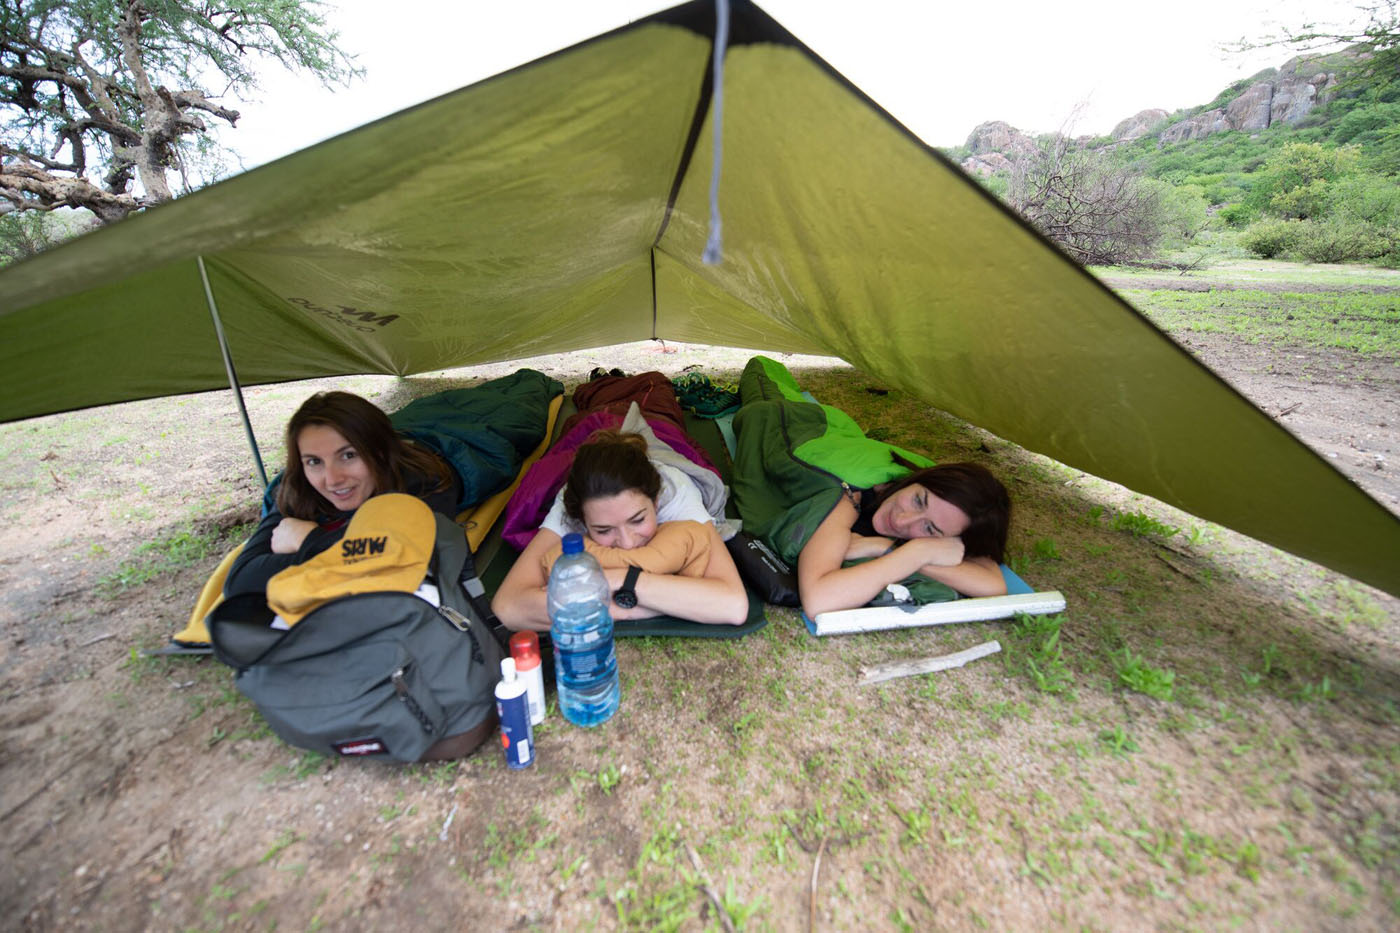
(630, 515)
(946, 522)
(341, 450)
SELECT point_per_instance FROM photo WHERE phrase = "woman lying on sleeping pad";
(341, 450)
(817, 490)
(633, 510)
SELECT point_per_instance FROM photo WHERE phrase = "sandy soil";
(145, 794)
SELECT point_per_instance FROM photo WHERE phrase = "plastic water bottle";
(581, 627)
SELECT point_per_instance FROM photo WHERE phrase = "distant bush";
(1225, 193)
(1296, 179)
(1093, 205)
(1335, 240)
(1271, 237)
(1185, 213)
(1365, 120)
(1237, 215)
(1364, 197)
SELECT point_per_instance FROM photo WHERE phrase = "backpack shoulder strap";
(454, 561)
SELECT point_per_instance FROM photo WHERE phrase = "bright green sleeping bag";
(793, 456)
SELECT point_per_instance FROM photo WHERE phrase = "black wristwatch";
(626, 596)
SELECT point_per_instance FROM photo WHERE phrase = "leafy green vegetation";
(1364, 323)
(178, 549)
(1136, 674)
(1324, 189)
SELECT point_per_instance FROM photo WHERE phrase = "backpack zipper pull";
(459, 621)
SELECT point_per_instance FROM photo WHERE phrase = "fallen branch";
(93, 641)
(812, 898)
(896, 669)
(447, 824)
(708, 888)
(1290, 409)
(1181, 570)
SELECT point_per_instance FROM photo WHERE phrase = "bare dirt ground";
(747, 778)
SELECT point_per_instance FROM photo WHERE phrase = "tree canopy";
(101, 99)
(1377, 32)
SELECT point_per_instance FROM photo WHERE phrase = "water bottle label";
(579, 666)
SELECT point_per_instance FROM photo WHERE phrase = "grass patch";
(174, 551)
(1364, 323)
(1136, 674)
(1140, 526)
(1036, 652)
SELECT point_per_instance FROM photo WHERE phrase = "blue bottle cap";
(573, 543)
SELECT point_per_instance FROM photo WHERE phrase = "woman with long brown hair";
(341, 450)
(648, 527)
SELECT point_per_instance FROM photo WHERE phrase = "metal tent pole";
(232, 376)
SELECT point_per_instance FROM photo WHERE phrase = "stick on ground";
(708, 887)
(896, 669)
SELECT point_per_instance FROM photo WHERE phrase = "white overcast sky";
(940, 67)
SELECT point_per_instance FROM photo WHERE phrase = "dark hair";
(972, 488)
(390, 457)
(606, 464)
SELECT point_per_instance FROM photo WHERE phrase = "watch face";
(626, 596)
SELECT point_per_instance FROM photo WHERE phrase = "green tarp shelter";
(563, 205)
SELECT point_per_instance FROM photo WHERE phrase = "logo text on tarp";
(354, 318)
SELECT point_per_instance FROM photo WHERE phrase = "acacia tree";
(1095, 208)
(1378, 33)
(101, 99)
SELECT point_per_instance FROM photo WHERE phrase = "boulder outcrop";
(1285, 95)
(999, 137)
(1139, 124)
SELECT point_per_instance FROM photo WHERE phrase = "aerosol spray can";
(517, 735)
(525, 649)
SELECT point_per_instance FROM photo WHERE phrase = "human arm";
(276, 544)
(521, 602)
(825, 585)
(717, 596)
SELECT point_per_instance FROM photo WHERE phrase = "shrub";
(1091, 204)
(1272, 237)
(1367, 198)
(1295, 180)
(1365, 120)
(1184, 212)
(1237, 215)
(1340, 241)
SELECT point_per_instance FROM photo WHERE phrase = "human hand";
(289, 534)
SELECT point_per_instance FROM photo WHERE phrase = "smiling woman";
(648, 527)
(947, 523)
(341, 450)
(856, 514)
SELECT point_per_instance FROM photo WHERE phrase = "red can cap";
(525, 648)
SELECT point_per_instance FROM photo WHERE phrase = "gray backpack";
(378, 675)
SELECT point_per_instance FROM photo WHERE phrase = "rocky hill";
(1285, 95)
